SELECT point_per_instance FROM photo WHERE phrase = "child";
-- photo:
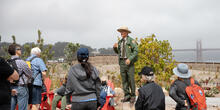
(59, 95)
(106, 91)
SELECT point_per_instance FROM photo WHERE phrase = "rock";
(128, 106)
(166, 93)
(119, 95)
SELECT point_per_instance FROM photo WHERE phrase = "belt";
(123, 58)
(22, 84)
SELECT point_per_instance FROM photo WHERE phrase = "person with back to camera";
(178, 90)
(106, 91)
(20, 87)
(39, 70)
(83, 84)
(151, 96)
(7, 76)
(59, 94)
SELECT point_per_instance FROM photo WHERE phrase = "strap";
(36, 75)
(17, 70)
(192, 81)
(25, 84)
(22, 72)
(20, 76)
(16, 59)
(15, 64)
(32, 58)
(30, 61)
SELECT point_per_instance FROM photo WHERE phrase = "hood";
(80, 73)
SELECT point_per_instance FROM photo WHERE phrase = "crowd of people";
(25, 89)
(22, 82)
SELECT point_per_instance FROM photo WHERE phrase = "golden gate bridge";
(199, 50)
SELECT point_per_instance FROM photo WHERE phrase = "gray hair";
(35, 51)
(149, 78)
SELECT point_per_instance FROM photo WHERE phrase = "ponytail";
(86, 65)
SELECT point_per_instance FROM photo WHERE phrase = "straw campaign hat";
(123, 28)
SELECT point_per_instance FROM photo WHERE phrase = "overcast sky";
(94, 22)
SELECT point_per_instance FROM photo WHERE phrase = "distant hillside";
(209, 56)
(58, 48)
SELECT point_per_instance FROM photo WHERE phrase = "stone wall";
(212, 67)
(113, 59)
(105, 60)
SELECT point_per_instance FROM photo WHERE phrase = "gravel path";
(212, 103)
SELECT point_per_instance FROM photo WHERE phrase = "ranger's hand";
(115, 45)
(127, 62)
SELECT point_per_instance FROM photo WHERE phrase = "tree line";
(57, 50)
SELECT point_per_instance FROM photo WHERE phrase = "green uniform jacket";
(131, 49)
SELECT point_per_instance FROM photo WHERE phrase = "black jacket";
(151, 97)
(61, 91)
(177, 93)
(5, 91)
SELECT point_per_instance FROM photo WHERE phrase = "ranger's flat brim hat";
(123, 28)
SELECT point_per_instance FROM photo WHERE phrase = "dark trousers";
(91, 105)
(127, 75)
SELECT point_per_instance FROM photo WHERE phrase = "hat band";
(182, 71)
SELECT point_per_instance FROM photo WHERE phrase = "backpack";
(29, 61)
(12, 63)
(196, 96)
(14, 66)
(103, 94)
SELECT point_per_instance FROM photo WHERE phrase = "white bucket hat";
(123, 28)
(182, 71)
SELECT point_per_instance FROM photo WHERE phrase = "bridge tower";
(199, 51)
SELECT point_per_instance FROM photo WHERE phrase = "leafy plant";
(5, 48)
(14, 39)
(70, 51)
(212, 92)
(46, 53)
(158, 55)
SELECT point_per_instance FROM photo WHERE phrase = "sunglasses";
(18, 49)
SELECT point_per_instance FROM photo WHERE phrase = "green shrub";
(158, 55)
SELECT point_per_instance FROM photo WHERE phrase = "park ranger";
(127, 51)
